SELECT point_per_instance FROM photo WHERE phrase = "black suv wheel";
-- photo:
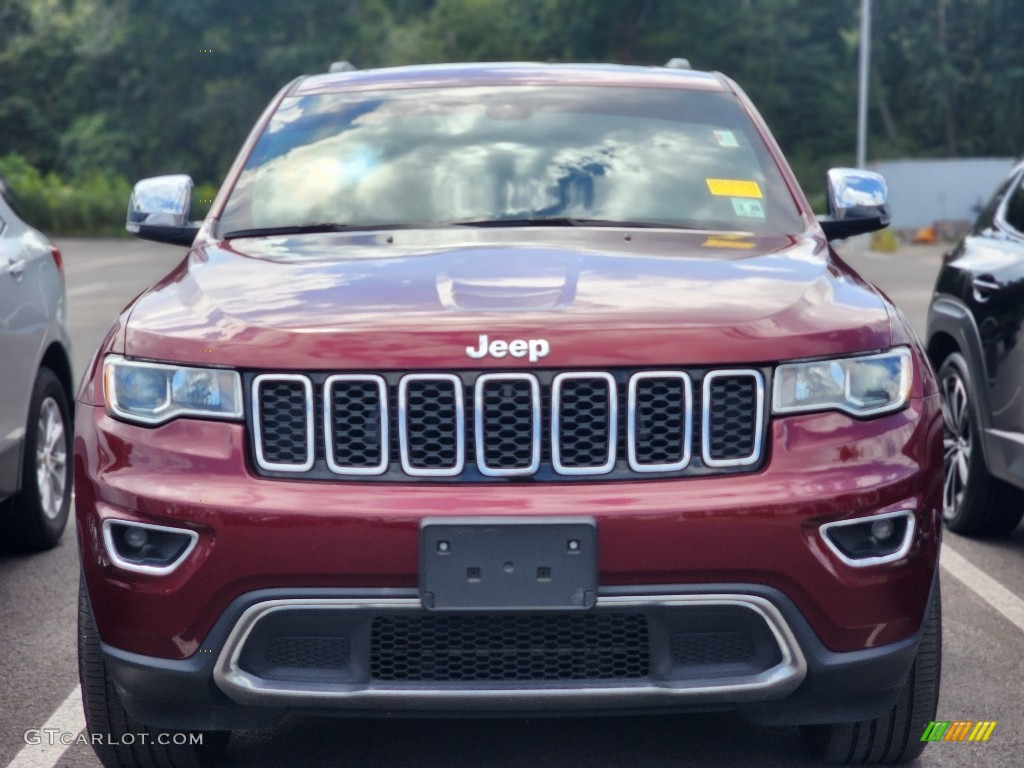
(973, 501)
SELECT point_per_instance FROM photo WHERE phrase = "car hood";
(424, 298)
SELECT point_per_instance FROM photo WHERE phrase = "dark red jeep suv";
(509, 388)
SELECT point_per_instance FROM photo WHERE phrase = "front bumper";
(758, 528)
(844, 637)
(790, 679)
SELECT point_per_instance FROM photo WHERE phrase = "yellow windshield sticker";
(734, 188)
(740, 243)
(736, 242)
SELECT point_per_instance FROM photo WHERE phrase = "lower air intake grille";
(485, 648)
(697, 648)
(309, 652)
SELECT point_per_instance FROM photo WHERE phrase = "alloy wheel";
(956, 442)
(51, 458)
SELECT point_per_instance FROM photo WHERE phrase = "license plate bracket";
(489, 563)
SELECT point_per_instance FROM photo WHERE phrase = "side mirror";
(159, 210)
(857, 203)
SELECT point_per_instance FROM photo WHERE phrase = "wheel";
(36, 517)
(973, 501)
(118, 740)
(895, 737)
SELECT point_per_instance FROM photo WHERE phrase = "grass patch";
(92, 206)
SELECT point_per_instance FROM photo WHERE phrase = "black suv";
(974, 325)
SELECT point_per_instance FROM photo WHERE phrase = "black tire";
(895, 737)
(35, 518)
(118, 740)
(973, 501)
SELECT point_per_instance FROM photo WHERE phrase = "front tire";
(973, 501)
(36, 517)
(895, 737)
(118, 740)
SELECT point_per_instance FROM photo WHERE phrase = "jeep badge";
(534, 348)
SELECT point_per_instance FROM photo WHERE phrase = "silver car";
(35, 386)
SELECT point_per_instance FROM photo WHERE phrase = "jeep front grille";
(541, 425)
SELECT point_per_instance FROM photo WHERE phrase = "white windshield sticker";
(725, 138)
(748, 208)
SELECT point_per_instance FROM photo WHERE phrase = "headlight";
(152, 393)
(860, 386)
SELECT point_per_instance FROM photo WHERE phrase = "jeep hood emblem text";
(535, 349)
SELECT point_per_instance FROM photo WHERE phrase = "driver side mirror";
(159, 210)
(857, 203)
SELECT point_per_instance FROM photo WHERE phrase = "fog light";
(870, 540)
(135, 537)
(145, 548)
(883, 529)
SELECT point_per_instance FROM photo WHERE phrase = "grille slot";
(733, 417)
(508, 424)
(503, 647)
(356, 424)
(283, 404)
(660, 421)
(431, 424)
(584, 415)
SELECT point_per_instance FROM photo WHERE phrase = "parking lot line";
(63, 726)
(987, 588)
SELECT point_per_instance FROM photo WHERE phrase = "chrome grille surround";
(328, 417)
(476, 425)
(480, 424)
(258, 435)
(557, 412)
(458, 424)
(633, 426)
(782, 677)
(707, 406)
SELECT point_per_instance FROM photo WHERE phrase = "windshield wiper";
(531, 221)
(566, 221)
(299, 229)
(312, 229)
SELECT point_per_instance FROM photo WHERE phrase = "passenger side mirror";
(159, 210)
(857, 203)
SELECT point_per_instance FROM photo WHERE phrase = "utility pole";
(862, 90)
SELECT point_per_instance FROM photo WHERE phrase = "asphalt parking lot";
(983, 605)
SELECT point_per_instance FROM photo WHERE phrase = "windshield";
(677, 158)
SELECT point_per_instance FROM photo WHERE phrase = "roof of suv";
(509, 73)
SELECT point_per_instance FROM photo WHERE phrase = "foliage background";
(94, 93)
